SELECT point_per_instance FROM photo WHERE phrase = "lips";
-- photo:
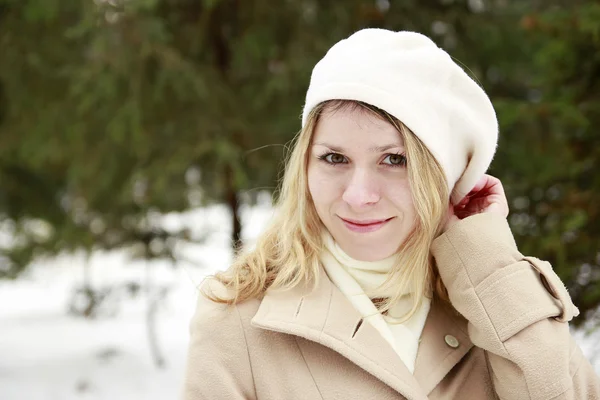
(365, 226)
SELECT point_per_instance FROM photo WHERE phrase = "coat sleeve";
(218, 364)
(518, 311)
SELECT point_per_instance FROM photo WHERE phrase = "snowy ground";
(47, 354)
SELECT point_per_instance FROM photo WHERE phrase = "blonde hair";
(286, 254)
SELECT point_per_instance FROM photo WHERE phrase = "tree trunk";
(226, 12)
(234, 206)
(87, 288)
(153, 302)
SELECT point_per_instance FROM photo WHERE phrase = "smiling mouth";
(365, 226)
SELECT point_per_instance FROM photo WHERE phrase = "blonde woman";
(389, 270)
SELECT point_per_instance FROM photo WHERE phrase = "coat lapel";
(435, 357)
(324, 315)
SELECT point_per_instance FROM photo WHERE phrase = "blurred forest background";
(113, 112)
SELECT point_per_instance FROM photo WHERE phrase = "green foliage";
(113, 111)
(564, 217)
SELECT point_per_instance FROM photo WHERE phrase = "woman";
(389, 270)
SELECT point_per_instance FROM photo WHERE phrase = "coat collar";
(324, 315)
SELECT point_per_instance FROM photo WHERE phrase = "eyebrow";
(376, 149)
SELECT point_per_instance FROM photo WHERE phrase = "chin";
(366, 252)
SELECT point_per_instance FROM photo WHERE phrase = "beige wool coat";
(506, 336)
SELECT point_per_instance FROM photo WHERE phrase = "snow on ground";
(48, 354)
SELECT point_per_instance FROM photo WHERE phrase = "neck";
(370, 275)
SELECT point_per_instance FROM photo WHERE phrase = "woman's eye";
(335, 158)
(395, 160)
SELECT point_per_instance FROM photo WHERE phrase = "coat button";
(451, 341)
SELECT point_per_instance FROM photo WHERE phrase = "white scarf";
(356, 278)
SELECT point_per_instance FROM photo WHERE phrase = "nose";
(362, 190)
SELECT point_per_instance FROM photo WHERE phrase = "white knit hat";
(407, 75)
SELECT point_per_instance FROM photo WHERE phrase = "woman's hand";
(486, 197)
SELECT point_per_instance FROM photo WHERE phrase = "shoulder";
(218, 364)
(212, 317)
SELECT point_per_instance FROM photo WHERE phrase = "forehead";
(355, 125)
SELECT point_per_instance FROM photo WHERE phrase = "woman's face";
(358, 181)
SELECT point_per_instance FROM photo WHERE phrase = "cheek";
(401, 196)
(323, 189)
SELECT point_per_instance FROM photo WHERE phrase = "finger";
(494, 186)
(481, 183)
(487, 184)
(476, 205)
(486, 204)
